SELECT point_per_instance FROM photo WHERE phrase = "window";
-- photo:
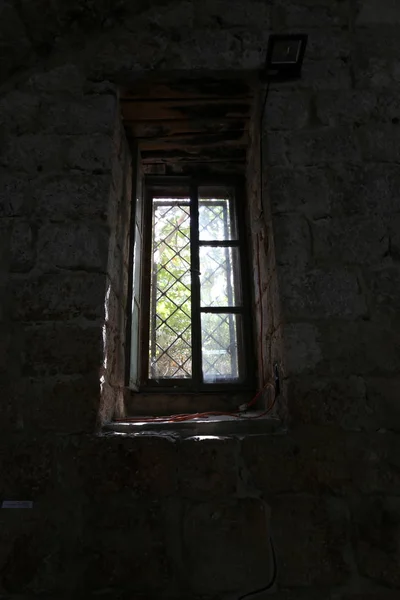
(191, 326)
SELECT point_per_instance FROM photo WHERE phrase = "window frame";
(178, 186)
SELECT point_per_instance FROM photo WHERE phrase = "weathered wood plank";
(197, 142)
(195, 168)
(189, 109)
(160, 129)
(188, 88)
(189, 154)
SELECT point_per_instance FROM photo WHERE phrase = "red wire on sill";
(189, 416)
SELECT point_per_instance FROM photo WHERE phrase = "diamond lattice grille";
(219, 345)
(212, 224)
(170, 330)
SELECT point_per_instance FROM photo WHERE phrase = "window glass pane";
(137, 255)
(139, 202)
(216, 214)
(170, 315)
(219, 342)
(134, 344)
(219, 276)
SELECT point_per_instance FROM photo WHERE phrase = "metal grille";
(219, 346)
(196, 302)
(170, 329)
(211, 220)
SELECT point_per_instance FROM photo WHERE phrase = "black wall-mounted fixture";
(285, 55)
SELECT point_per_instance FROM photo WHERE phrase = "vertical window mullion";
(146, 284)
(153, 302)
(195, 285)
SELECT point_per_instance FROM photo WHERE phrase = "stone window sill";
(202, 427)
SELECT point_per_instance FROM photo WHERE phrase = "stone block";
(303, 352)
(67, 78)
(238, 14)
(320, 294)
(380, 143)
(299, 190)
(6, 227)
(292, 240)
(311, 535)
(28, 467)
(378, 464)
(264, 256)
(373, 593)
(388, 107)
(315, 459)
(89, 115)
(335, 108)
(377, 529)
(115, 264)
(132, 555)
(383, 393)
(371, 12)
(350, 240)
(272, 316)
(208, 467)
(22, 247)
(111, 401)
(15, 47)
(136, 465)
(43, 546)
(226, 546)
(357, 107)
(328, 44)
(91, 153)
(278, 352)
(359, 190)
(74, 246)
(77, 196)
(326, 75)
(274, 148)
(305, 13)
(394, 233)
(67, 348)
(342, 402)
(60, 404)
(19, 113)
(331, 74)
(14, 194)
(385, 287)
(59, 296)
(286, 111)
(299, 593)
(376, 49)
(307, 460)
(32, 153)
(363, 348)
(10, 411)
(25, 546)
(327, 145)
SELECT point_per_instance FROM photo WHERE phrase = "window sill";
(202, 427)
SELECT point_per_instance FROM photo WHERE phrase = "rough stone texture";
(143, 516)
(219, 557)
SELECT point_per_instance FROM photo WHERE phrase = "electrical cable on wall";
(261, 145)
(258, 237)
(283, 70)
(273, 578)
(276, 389)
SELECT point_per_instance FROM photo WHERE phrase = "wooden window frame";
(172, 186)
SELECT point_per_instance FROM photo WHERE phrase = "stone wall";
(147, 516)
